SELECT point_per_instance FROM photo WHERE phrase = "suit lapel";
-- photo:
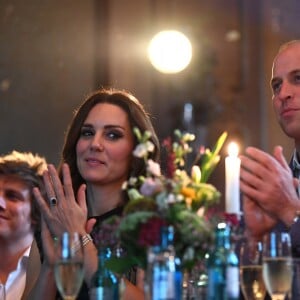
(33, 269)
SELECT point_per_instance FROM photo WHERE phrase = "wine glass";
(251, 276)
(296, 278)
(68, 267)
(2, 291)
(277, 264)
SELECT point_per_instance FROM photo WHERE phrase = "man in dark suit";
(268, 183)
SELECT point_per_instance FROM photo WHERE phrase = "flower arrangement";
(104, 234)
(179, 198)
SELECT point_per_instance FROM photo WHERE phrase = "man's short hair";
(287, 44)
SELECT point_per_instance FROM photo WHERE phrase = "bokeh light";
(170, 51)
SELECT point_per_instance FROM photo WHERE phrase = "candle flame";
(233, 149)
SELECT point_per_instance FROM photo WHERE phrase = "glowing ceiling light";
(170, 51)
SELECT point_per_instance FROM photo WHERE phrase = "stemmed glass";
(251, 276)
(277, 264)
(2, 291)
(68, 268)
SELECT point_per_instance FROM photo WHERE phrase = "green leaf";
(137, 133)
(132, 220)
(211, 159)
(120, 265)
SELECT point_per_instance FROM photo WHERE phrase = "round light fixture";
(170, 51)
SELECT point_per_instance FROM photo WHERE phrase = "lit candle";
(232, 178)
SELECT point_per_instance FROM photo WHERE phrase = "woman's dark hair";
(137, 118)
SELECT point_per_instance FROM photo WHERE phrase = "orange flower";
(188, 192)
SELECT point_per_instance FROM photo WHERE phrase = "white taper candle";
(232, 178)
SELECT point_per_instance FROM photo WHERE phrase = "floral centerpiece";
(179, 198)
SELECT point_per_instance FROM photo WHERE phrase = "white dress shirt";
(15, 283)
(296, 168)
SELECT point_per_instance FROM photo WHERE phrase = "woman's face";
(104, 149)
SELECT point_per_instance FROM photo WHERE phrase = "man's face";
(15, 209)
(285, 85)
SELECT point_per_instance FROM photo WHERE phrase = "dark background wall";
(46, 66)
(52, 53)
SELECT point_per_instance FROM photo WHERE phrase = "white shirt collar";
(16, 280)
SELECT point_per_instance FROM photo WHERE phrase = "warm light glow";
(221, 225)
(233, 149)
(170, 51)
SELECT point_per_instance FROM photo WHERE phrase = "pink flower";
(151, 186)
(154, 168)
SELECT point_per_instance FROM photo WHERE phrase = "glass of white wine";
(296, 278)
(2, 291)
(68, 268)
(251, 276)
(277, 265)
